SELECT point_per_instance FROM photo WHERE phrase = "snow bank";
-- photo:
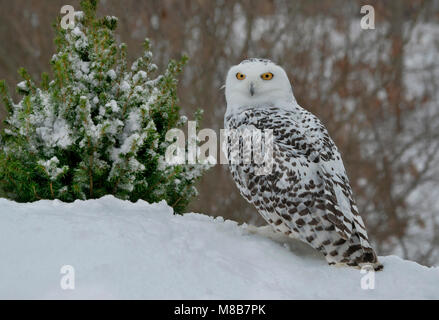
(124, 250)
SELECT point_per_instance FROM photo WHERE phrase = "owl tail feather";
(368, 260)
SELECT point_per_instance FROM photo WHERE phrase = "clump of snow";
(79, 15)
(112, 74)
(112, 19)
(51, 168)
(80, 37)
(139, 76)
(125, 86)
(113, 106)
(22, 86)
(138, 250)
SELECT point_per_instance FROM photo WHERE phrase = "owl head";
(257, 83)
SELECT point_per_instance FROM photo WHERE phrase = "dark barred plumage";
(307, 195)
(252, 60)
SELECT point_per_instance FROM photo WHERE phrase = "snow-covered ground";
(142, 251)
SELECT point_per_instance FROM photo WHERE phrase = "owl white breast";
(307, 194)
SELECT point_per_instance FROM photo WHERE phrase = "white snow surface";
(124, 250)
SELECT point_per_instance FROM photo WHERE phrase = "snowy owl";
(306, 195)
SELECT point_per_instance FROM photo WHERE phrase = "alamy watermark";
(247, 145)
(368, 21)
(368, 280)
(68, 20)
(68, 277)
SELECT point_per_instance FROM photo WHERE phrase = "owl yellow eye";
(267, 76)
(240, 76)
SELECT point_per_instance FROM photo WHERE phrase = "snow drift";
(121, 250)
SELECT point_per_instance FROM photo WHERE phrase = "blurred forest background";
(376, 90)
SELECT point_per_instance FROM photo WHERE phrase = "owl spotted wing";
(307, 141)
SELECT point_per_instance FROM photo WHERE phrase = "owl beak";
(252, 89)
